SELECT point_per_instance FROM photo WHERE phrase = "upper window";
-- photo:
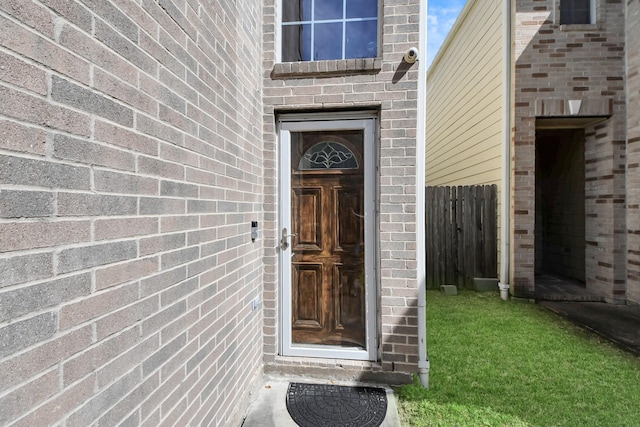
(315, 30)
(576, 12)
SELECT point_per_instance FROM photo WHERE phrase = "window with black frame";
(575, 11)
(315, 30)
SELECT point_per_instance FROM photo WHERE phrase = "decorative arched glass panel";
(328, 155)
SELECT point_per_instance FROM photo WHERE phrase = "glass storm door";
(326, 241)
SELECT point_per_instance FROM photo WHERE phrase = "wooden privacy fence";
(461, 232)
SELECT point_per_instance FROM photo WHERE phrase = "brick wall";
(554, 64)
(376, 84)
(130, 169)
(633, 150)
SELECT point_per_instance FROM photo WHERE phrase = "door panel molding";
(308, 296)
(309, 202)
(348, 229)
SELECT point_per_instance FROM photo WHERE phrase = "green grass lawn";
(499, 363)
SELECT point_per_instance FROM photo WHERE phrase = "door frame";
(325, 122)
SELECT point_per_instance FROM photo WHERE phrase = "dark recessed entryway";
(560, 213)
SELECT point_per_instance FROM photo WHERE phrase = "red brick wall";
(554, 64)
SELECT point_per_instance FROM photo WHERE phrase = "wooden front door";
(328, 304)
(327, 222)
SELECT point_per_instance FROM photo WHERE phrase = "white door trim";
(288, 124)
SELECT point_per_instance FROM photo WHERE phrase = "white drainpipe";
(505, 250)
(423, 362)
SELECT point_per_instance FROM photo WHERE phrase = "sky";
(442, 15)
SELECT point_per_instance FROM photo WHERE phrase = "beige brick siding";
(633, 151)
(554, 64)
(373, 84)
(131, 167)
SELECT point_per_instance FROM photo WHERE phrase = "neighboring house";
(187, 202)
(545, 103)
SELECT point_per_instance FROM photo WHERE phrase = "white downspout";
(505, 250)
(421, 270)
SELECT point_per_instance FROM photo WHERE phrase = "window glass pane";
(328, 9)
(361, 39)
(296, 10)
(575, 12)
(362, 8)
(582, 16)
(352, 34)
(329, 280)
(296, 43)
(328, 155)
(328, 41)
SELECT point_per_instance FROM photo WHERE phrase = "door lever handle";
(284, 242)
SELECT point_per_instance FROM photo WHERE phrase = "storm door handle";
(284, 242)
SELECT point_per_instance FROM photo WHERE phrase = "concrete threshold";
(268, 407)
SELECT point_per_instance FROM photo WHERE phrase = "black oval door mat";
(315, 405)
